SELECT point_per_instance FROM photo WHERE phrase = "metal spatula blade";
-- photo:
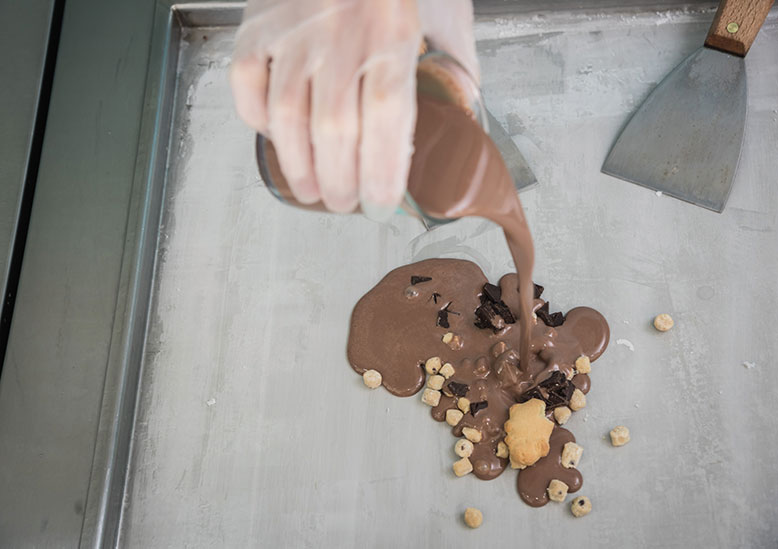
(517, 166)
(685, 139)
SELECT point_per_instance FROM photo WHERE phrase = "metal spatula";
(685, 139)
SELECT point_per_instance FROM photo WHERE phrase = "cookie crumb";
(447, 370)
(462, 467)
(578, 400)
(463, 448)
(372, 378)
(447, 337)
(571, 455)
(557, 490)
(473, 517)
(431, 397)
(502, 450)
(619, 435)
(499, 348)
(663, 322)
(473, 435)
(581, 506)
(453, 417)
(583, 365)
(436, 382)
(432, 365)
(562, 414)
(464, 405)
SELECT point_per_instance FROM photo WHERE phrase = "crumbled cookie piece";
(453, 417)
(583, 365)
(432, 365)
(462, 467)
(499, 348)
(473, 517)
(454, 341)
(447, 337)
(436, 382)
(571, 455)
(430, 397)
(663, 322)
(473, 435)
(372, 378)
(619, 435)
(502, 450)
(447, 370)
(581, 506)
(562, 414)
(463, 404)
(557, 490)
(463, 448)
(578, 400)
(528, 431)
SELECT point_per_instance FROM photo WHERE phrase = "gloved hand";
(332, 83)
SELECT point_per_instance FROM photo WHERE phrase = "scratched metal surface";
(253, 430)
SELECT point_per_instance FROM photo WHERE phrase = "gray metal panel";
(219, 458)
(24, 32)
(58, 348)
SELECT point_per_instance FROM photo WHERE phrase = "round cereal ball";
(581, 506)
(473, 517)
(663, 322)
(372, 379)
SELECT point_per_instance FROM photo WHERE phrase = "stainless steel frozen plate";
(248, 310)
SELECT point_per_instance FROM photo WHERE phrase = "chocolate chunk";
(442, 318)
(435, 296)
(476, 406)
(538, 290)
(556, 390)
(458, 389)
(494, 315)
(491, 292)
(419, 279)
(550, 319)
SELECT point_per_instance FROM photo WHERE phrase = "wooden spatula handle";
(736, 25)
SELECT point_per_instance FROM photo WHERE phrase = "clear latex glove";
(332, 83)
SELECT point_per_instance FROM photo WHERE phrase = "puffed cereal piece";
(502, 450)
(436, 382)
(473, 517)
(432, 366)
(562, 414)
(447, 370)
(578, 400)
(663, 322)
(619, 435)
(430, 397)
(557, 490)
(571, 455)
(473, 435)
(463, 404)
(462, 467)
(453, 417)
(583, 365)
(463, 448)
(581, 506)
(372, 378)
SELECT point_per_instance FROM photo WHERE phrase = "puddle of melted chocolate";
(394, 331)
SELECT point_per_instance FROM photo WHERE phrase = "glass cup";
(438, 75)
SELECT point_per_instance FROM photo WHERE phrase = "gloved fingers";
(249, 82)
(335, 133)
(448, 25)
(388, 120)
(289, 122)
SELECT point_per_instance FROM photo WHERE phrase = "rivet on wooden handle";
(736, 25)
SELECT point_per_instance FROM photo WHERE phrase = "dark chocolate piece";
(492, 293)
(550, 319)
(458, 389)
(538, 290)
(435, 296)
(442, 319)
(419, 279)
(476, 406)
(556, 390)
